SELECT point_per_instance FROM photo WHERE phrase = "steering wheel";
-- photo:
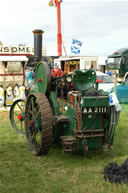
(57, 72)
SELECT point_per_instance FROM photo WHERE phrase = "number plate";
(94, 110)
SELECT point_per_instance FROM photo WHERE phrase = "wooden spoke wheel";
(17, 112)
(38, 123)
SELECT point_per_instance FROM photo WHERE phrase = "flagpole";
(59, 35)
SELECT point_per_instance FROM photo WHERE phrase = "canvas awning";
(13, 58)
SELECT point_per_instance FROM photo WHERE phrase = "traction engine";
(65, 108)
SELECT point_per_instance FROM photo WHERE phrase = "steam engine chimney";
(37, 45)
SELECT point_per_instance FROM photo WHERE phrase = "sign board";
(19, 50)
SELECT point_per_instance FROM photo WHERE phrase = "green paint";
(53, 103)
(41, 78)
(83, 81)
(92, 123)
(94, 143)
(94, 101)
(67, 109)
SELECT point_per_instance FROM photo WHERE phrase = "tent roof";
(13, 58)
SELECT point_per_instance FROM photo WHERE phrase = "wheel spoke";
(36, 116)
(32, 104)
(21, 125)
(16, 122)
(34, 136)
(20, 107)
(23, 107)
(16, 113)
(36, 101)
(30, 112)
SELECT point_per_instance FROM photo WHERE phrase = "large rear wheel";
(38, 123)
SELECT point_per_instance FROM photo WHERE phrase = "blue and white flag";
(76, 45)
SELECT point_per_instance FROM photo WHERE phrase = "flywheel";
(38, 123)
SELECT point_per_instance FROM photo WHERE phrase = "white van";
(108, 81)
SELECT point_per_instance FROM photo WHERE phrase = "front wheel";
(17, 116)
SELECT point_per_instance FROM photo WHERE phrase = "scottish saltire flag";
(76, 45)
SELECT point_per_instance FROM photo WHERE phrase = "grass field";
(57, 172)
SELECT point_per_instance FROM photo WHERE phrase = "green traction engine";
(65, 108)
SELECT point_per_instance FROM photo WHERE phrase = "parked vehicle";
(122, 92)
(69, 64)
(117, 63)
(125, 76)
(107, 82)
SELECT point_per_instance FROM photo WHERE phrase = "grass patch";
(57, 172)
(124, 107)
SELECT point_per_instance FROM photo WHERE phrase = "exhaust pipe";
(37, 45)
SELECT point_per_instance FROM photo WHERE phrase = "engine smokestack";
(37, 45)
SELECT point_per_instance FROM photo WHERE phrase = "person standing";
(108, 72)
(26, 76)
(30, 75)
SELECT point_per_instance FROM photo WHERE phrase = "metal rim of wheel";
(38, 123)
(17, 112)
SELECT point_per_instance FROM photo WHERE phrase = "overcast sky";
(102, 26)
